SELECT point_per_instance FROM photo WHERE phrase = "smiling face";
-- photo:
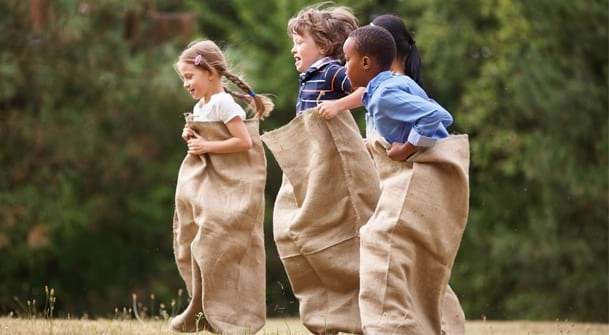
(196, 80)
(360, 69)
(305, 51)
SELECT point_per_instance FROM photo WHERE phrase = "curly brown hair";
(329, 27)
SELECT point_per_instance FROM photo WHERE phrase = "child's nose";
(293, 50)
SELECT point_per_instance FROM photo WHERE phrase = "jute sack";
(218, 232)
(329, 190)
(453, 317)
(409, 244)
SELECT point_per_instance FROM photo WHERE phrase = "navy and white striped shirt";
(326, 79)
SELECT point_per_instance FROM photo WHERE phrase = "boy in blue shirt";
(409, 244)
(397, 107)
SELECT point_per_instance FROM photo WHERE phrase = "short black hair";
(376, 43)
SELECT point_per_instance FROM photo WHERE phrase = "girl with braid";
(202, 67)
(217, 227)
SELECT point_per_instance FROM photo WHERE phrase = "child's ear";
(211, 75)
(366, 62)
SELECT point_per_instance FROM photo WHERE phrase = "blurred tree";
(90, 112)
(528, 82)
(89, 158)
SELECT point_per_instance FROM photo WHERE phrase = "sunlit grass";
(144, 318)
(17, 326)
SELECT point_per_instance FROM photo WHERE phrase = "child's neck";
(398, 66)
(314, 63)
(215, 87)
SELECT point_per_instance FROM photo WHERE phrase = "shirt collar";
(318, 65)
(374, 84)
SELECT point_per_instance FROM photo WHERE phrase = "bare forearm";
(228, 146)
(330, 108)
(352, 100)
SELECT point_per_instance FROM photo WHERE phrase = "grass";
(20, 326)
(145, 319)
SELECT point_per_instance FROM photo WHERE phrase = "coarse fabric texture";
(218, 231)
(329, 190)
(453, 317)
(409, 244)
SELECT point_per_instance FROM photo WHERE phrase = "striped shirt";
(326, 79)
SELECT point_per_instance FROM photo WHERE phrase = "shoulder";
(333, 69)
(399, 85)
(390, 92)
(227, 107)
(410, 86)
(336, 75)
(224, 100)
(397, 82)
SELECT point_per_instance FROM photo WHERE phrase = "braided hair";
(208, 56)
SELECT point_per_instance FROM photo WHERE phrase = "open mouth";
(297, 60)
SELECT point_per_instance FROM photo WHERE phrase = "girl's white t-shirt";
(220, 107)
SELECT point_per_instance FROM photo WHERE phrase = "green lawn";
(275, 327)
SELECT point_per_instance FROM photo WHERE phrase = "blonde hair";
(212, 59)
(329, 27)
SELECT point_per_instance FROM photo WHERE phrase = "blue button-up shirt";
(399, 110)
(325, 79)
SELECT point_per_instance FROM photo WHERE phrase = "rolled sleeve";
(419, 140)
(423, 116)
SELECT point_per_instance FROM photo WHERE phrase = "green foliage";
(89, 159)
(90, 122)
(530, 87)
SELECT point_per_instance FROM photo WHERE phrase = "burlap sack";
(329, 191)
(453, 317)
(218, 230)
(409, 245)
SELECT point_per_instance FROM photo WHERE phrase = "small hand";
(197, 145)
(401, 151)
(328, 109)
(187, 133)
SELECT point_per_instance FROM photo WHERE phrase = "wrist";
(340, 105)
(204, 147)
(410, 148)
(402, 151)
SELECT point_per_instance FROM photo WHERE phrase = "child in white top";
(202, 67)
(221, 107)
